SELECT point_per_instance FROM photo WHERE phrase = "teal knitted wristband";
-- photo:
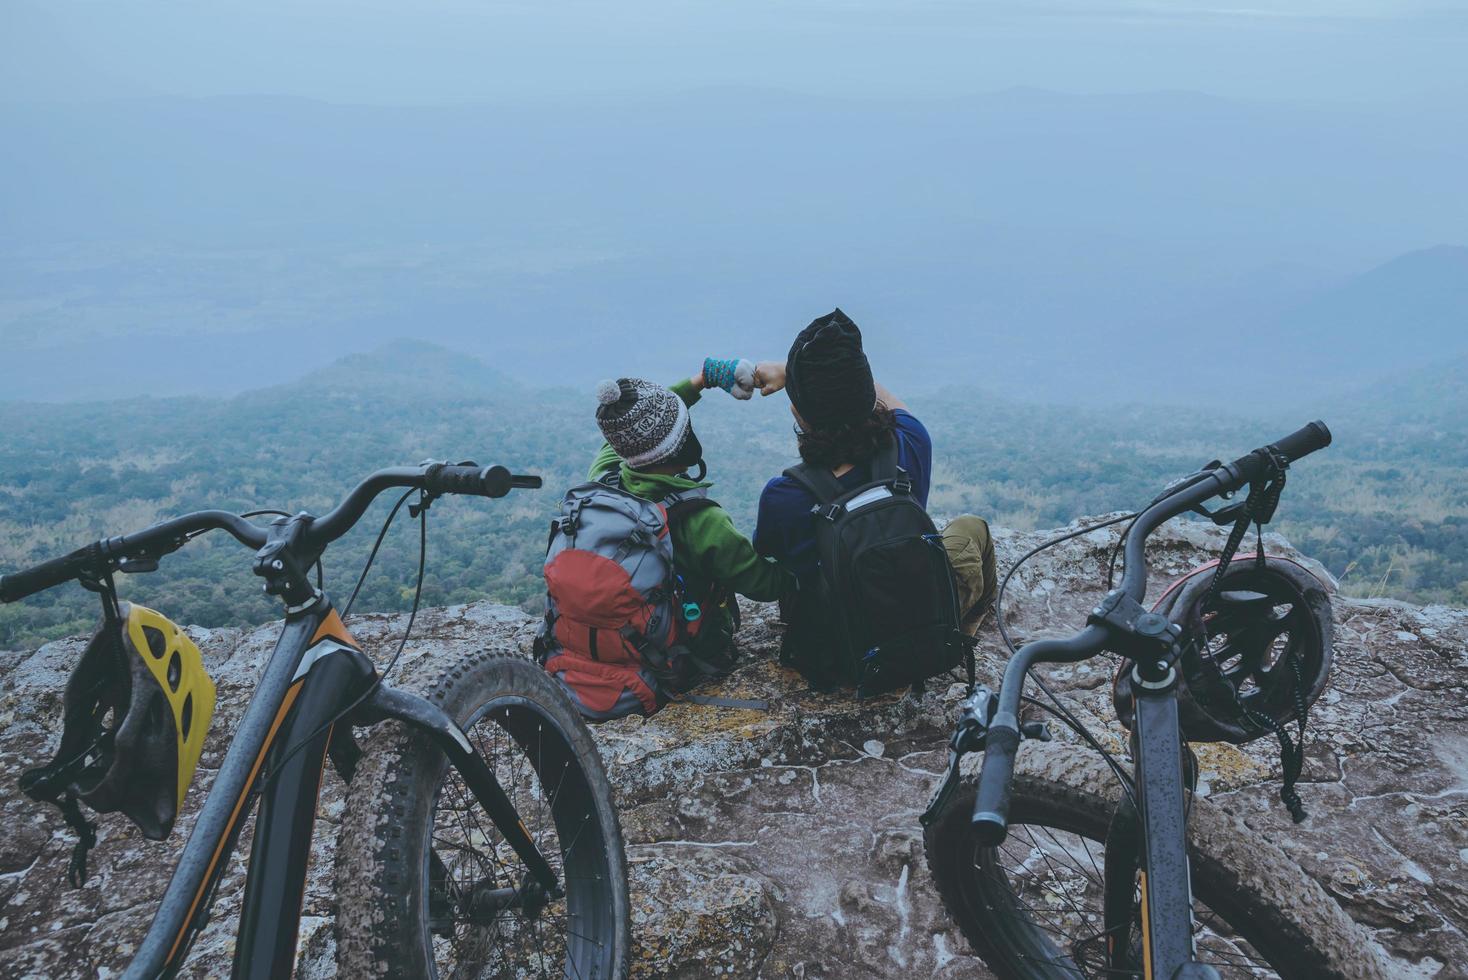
(719, 372)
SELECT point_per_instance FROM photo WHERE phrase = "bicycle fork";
(1147, 848)
(487, 791)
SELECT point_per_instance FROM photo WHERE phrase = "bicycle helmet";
(136, 709)
(1256, 653)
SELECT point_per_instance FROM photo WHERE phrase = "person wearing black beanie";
(827, 374)
(844, 417)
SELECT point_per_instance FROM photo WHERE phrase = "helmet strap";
(46, 783)
(1291, 761)
(86, 839)
(106, 589)
(1258, 510)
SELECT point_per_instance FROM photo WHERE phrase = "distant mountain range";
(1410, 311)
(406, 366)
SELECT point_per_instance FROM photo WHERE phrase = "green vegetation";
(1386, 508)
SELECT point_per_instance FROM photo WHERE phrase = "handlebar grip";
(46, 575)
(1297, 445)
(1303, 441)
(991, 802)
(478, 481)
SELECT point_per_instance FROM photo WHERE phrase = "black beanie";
(827, 374)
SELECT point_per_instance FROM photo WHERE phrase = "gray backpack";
(618, 621)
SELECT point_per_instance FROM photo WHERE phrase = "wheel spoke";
(1039, 898)
(519, 931)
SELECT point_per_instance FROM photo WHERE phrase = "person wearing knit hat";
(650, 447)
(844, 417)
(647, 424)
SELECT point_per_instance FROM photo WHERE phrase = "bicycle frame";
(1120, 624)
(1152, 838)
(316, 670)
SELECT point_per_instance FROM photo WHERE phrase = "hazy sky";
(640, 167)
(450, 50)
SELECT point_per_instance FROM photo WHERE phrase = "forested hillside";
(1384, 508)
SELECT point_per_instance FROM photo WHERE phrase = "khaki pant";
(971, 551)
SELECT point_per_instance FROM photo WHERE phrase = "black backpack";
(883, 612)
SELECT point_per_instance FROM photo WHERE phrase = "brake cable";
(1060, 709)
(1174, 487)
(373, 556)
(421, 513)
(1115, 554)
(1004, 585)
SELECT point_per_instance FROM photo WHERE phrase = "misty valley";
(1384, 510)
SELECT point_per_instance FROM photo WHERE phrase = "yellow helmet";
(137, 708)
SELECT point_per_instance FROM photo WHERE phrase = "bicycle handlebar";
(991, 802)
(161, 539)
(47, 574)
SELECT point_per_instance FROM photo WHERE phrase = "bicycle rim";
(486, 917)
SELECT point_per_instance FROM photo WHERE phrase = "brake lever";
(1036, 730)
(144, 562)
(1225, 515)
(1184, 481)
(970, 733)
(132, 566)
(428, 497)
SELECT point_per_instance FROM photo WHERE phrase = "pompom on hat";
(607, 392)
(646, 424)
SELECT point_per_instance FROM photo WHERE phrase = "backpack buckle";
(830, 511)
(903, 482)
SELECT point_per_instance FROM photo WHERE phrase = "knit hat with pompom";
(646, 423)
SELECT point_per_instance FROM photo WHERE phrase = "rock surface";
(785, 842)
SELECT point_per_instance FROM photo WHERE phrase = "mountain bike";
(1075, 867)
(480, 837)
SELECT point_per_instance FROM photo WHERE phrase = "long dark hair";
(847, 443)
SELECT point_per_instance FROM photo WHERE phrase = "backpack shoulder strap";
(698, 496)
(818, 481)
(680, 510)
(885, 463)
(682, 504)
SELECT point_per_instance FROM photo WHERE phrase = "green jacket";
(707, 551)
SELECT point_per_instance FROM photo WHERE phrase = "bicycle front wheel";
(426, 884)
(1033, 908)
